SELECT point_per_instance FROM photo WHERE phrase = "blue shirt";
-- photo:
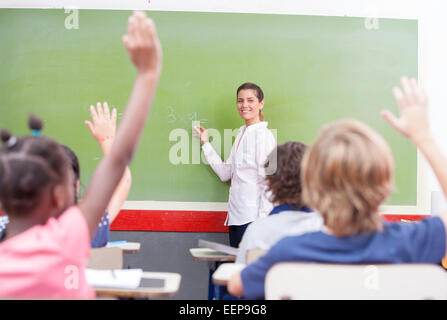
(102, 234)
(100, 238)
(288, 207)
(420, 242)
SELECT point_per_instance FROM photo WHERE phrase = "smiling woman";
(245, 166)
(254, 98)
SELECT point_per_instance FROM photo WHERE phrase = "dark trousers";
(236, 233)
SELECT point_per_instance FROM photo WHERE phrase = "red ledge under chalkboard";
(192, 221)
(172, 220)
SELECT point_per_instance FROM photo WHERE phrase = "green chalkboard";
(313, 69)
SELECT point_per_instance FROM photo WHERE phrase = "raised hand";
(413, 123)
(103, 127)
(142, 44)
(413, 109)
(201, 133)
(145, 52)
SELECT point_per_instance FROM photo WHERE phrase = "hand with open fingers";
(201, 133)
(142, 44)
(103, 127)
(413, 108)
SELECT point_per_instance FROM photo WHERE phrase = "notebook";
(119, 278)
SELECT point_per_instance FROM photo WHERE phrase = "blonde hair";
(346, 174)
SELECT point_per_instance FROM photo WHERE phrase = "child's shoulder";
(422, 232)
(408, 227)
(71, 217)
(312, 238)
(272, 222)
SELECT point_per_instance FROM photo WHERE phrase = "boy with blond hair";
(346, 174)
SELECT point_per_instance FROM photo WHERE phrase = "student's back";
(265, 232)
(397, 243)
(47, 261)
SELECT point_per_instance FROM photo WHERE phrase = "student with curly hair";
(289, 216)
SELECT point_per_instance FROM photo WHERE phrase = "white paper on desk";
(226, 270)
(121, 278)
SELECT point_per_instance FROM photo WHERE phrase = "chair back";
(106, 258)
(294, 281)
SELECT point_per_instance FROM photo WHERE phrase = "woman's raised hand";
(201, 133)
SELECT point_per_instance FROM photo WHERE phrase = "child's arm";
(222, 169)
(103, 130)
(144, 50)
(235, 285)
(413, 124)
(265, 145)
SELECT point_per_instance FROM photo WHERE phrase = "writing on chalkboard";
(185, 119)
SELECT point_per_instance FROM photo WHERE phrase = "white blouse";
(249, 198)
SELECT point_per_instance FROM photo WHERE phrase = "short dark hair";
(285, 182)
(28, 165)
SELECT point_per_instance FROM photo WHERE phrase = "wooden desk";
(128, 247)
(170, 288)
(214, 258)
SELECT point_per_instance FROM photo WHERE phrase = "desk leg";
(218, 292)
(210, 285)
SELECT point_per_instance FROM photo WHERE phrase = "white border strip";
(174, 205)
(223, 206)
(351, 8)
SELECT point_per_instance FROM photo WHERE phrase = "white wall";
(432, 50)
